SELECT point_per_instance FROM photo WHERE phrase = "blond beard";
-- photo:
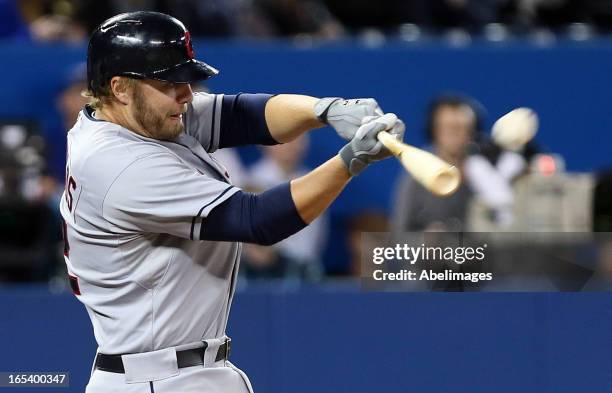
(150, 120)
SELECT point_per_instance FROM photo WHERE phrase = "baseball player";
(153, 226)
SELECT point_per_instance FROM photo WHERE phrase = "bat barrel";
(445, 182)
(436, 175)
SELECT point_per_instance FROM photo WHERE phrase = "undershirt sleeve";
(243, 120)
(265, 218)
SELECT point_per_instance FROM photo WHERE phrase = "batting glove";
(365, 148)
(346, 116)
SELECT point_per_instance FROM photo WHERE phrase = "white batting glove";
(365, 148)
(346, 116)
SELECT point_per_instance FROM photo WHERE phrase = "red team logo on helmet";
(188, 45)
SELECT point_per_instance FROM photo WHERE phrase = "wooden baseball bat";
(436, 175)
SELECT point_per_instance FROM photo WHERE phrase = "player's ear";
(121, 89)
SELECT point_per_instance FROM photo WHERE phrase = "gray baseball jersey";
(132, 208)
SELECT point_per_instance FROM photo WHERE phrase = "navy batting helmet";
(143, 44)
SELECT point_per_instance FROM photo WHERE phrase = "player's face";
(159, 107)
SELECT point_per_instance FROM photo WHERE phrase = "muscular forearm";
(314, 192)
(289, 115)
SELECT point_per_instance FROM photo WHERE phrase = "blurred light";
(458, 37)
(580, 31)
(28, 156)
(372, 38)
(303, 41)
(547, 164)
(543, 37)
(409, 32)
(12, 136)
(495, 32)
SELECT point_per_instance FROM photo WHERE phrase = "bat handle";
(392, 144)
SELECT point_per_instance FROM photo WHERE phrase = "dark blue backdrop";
(336, 339)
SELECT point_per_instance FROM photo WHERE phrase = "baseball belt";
(186, 358)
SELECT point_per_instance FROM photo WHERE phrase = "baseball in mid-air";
(517, 127)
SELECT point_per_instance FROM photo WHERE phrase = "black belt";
(186, 358)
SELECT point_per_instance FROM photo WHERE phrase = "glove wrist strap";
(354, 164)
(322, 107)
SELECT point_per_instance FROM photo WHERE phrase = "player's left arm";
(218, 120)
(290, 115)
(263, 119)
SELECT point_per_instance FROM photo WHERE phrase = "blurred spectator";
(386, 14)
(550, 13)
(602, 202)
(11, 21)
(464, 13)
(47, 185)
(27, 227)
(71, 19)
(452, 128)
(293, 17)
(599, 12)
(54, 20)
(230, 159)
(557, 13)
(221, 18)
(429, 13)
(21, 160)
(69, 103)
(91, 13)
(366, 221)
(298, 255)
(494, 165)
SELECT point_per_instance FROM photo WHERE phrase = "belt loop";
(204, 350)
(228, 347)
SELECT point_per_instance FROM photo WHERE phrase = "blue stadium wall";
(336, 339)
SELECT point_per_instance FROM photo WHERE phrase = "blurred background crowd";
(73, 20)
(507, 187)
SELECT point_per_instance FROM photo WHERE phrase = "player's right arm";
(284, 210)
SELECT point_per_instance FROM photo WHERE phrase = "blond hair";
(104, 95)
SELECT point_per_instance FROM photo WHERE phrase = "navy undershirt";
(243, 120)
(265, 218)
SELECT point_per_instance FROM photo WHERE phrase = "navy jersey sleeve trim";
(88, 111)
(212, 125)
(243, 120)
(193, 221)
(264, 219)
